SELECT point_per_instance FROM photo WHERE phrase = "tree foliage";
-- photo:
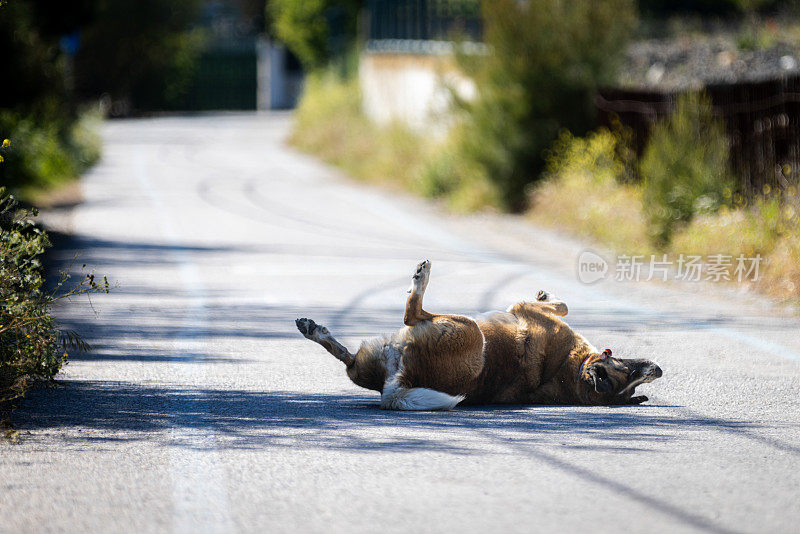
(33, 73)
(314, 30)
(685, 167)
(544, 63)
(139, 51)
(52, 141)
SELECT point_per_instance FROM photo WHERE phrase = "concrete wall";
(411, 88)
(279, 86)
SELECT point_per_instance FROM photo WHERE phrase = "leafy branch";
(32, 345)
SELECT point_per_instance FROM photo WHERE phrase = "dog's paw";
(419, 281)
(638, 400)
(542, 296)
(306, 326)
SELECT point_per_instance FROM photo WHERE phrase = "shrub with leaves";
(31, 344)
(314, 30)
(53, 141)
(685, 167)
(47, 152)
(544, 63)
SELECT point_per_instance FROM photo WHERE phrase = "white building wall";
(411, 88)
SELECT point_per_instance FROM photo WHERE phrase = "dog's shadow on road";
(98, 410)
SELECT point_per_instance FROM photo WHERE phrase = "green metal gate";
(225, 79)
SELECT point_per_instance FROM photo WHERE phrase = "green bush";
(314, 30)
(52, 141)
(685, 167)
(47, 153)
(31, 344)
(544, 63)
(447, 174)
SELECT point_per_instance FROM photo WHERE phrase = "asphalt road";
(202, 409)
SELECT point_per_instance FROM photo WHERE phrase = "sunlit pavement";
(202, 409)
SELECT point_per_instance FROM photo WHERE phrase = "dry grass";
(603, 211)
(770, 226)
(330, 124)
(582, 196)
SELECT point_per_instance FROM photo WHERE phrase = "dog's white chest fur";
(393, 359)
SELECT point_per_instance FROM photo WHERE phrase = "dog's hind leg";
(419, 282)
(320, 334)
(551, 303)
(544, 303)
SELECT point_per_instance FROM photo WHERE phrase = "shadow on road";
(97, 412)
(254, 419)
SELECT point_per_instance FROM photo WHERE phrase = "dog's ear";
(597, 376)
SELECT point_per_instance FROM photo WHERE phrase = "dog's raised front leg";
(320, 334)
(419, 282)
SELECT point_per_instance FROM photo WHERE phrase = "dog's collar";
(583, 364)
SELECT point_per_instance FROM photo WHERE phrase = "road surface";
(202, 409)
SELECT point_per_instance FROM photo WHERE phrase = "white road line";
(199, 481)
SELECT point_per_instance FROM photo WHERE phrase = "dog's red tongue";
(606, 353)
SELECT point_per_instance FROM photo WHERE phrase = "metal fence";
(423, 20)
(225, 77)
(762, 121)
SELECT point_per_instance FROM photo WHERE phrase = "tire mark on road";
(276, 208)
(487, 298)
(273, 218)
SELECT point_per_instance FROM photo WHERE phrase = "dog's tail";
(396, 397)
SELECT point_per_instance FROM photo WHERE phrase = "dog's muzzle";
(646, 371)
(641, 372)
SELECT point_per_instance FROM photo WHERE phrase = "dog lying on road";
(525, 355)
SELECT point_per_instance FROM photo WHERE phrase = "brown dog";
(525, 355)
